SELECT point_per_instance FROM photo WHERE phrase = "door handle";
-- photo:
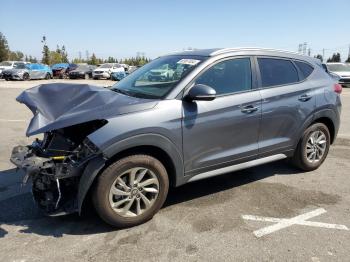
(249, 109)
(304, 98)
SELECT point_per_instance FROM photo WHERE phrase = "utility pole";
(323, 54)
(300, 47)
(309, 52)
(304, 48)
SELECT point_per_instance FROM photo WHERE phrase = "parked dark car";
(62, 70)
(223, 110)
(82, 71)
(59, 69)
(22, 71)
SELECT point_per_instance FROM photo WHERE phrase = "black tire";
(25, 77)
(105, 181)
(47, 76)
(300, 159)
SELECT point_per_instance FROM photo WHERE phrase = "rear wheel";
(47, 76)
(313, 147)
(130, 191)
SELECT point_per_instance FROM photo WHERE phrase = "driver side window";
(229, 76)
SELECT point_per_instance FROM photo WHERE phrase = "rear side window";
(277, 72)
(304, 68)
(229, 76)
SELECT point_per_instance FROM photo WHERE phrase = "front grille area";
(344, 80)
(98, 72)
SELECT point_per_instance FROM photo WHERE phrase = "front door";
(224, 131)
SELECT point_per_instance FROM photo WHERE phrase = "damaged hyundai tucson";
(178, 119)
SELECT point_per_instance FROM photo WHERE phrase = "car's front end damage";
(63, 165)
(55, 164)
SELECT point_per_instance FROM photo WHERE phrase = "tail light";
(338, 88)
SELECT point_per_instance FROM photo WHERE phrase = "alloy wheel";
(134, 192)
(316, 146)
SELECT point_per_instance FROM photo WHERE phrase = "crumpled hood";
(61, 105)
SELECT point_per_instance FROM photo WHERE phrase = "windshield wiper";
(121, 91)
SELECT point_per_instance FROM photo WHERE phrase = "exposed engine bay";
(55, 164)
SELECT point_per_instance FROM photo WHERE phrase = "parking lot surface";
(219, 219)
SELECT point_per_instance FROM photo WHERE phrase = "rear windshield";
(338, 67)
(5, 63)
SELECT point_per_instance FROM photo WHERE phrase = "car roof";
(251, 50)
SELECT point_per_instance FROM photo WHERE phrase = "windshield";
(19, 66)
(82, 67)
(5, 63)
(338, 67)
(157, 78)
(106, 66)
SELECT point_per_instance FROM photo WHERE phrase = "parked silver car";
(342, 70)
(22, 71)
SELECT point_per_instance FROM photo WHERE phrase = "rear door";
(288, 99)
(34, 71)
(224, 131)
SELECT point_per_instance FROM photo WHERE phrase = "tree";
(335, 58)
(15, 56)
(93, 60)
(4, 48)
(45, 52)
(64, 55)
(319, 57)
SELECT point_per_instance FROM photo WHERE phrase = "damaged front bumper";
(55, 179)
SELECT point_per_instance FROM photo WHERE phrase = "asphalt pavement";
(272, 212)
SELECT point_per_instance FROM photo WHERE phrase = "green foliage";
(335, 58)
(45, 52)
(4, 48)
(15, 56)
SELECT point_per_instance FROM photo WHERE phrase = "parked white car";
(5, 65)
(342, 70)
(105, 70)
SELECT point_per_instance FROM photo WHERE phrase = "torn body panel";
(60, 105)
(55, 164)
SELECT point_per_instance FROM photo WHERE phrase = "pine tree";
(4, 48)
(45, 52)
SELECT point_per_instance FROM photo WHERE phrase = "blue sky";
(122, 28)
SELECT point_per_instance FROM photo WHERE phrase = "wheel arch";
(154, 145)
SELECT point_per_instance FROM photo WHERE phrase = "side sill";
(237, 167)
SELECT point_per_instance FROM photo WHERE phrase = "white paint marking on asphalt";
(285, 222)
(12, 120)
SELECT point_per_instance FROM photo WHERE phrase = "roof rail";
(236, 49)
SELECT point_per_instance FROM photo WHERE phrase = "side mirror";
(201, 92)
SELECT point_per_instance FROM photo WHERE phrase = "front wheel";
(47, 76)
(25, 77)
(313, 147)
(130, 191)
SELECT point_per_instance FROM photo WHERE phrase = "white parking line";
(298, 220)
(12, 120)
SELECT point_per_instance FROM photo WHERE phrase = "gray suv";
(222, 110)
